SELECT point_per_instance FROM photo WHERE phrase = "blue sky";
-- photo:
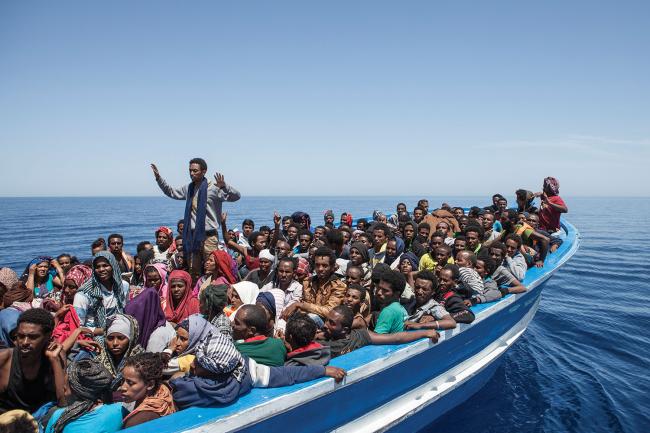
(344, 98)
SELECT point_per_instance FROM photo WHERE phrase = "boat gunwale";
(293, 396)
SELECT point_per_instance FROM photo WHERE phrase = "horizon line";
(305, 196)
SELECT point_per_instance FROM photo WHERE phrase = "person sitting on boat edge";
(428, 313)
(143, 385)
(446, 295)
(338, 335)
(299, 340)
(387, 294)
(220, 374)
(88, 382)
(32, 373)
(249, 330)
(552, 206)
(322, 292)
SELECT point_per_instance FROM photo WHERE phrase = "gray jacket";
(216, 196)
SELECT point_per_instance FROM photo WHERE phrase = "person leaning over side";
(203, 200)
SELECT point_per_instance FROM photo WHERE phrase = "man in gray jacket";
(203, 200)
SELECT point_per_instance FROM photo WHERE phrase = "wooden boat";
(400, 388)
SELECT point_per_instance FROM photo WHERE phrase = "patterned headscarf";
(92, 289)
(161, 268)
(327, 213)
(218, 354)
(552, 184)
(303, 270)
(8, 277)
(105, 357)
(88, 380)
(79, 274)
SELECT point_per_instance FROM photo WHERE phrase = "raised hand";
(53, 350)
(277, 219)
(221, 183)
(224, 217)
(156, 173)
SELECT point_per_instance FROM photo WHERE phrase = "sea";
(583, 365)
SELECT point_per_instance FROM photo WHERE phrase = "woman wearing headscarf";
(89, 382)
(140, 262)
(103, 295)
(218, 267)
(408, 266)
(189, 333)
(212, 304)
(7, 279)
(16, 300)
(155, 276)
(121, 342)
(155, 332)
(143, 385)
(181, 302)
(66, 318)
(394, 250)
(359, 257)
(242, 293)
(42, 275)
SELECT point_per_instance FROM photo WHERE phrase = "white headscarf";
(121, 325)
(247, 291)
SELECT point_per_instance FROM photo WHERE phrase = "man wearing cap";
(203, 200)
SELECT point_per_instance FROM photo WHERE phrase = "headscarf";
(42, 289)
(266, 254)
(267, 300)
(8, 277)
(161, 403)
(79, 274)
(247, 291)
(412, 258)
(218, 354)
(199, 330)
(123, 324)
(92, 289)
(215, 298)
(187, 305)
(36, 261)
(399, 249)
(17, 293)
(161, 268)
(347, 219)
(224, 263)
(552, 184)
(303, 269)
(328, 212)
(146, 309)
(89, 381)
(170, 233)
(363, 250)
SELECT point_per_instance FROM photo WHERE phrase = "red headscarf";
(79, 274)
(169, 232)
(224, 264)
(188, 304)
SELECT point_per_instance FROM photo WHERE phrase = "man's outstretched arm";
(175, 193)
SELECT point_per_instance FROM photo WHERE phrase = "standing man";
(202, 211)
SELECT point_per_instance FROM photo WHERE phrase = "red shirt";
(549, 218)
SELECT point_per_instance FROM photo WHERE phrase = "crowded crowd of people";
(207, 312)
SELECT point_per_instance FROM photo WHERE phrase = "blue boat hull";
(388, 388)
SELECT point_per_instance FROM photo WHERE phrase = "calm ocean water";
(582, 365)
